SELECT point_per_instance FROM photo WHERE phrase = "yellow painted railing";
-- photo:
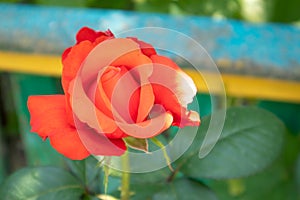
(235, 85)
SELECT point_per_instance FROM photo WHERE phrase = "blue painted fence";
(239, 47)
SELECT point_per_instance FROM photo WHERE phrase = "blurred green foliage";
(230, 9)
(250, 10)
(285, 11)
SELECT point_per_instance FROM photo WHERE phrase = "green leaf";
(183, 189)
(298, 175)
(141, 191)
(274, 183)
(251, 139)
(87, 172)
(42, 183)
(157, 176)
(137, 144)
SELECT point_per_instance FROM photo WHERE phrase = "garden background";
(279, 181)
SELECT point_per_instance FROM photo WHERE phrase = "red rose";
(114, 88)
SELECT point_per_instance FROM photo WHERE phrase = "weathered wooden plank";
(239, 47)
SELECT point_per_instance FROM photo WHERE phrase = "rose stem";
(125, 193)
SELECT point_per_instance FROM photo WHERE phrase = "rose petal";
(99, 144)
(164, 61)
(119, 94)
(174, 92)
(132, 59)
(96, 93)
(66, 53)
(100, 57)
(48, 119)
(73, 61)
(148, 128)
(42, 109)
(146, 48)
(178, 83)
(73, 57)
(125, 93)
(146, 101)
(100, 94)
(105, 54)
(125, 98)
(86, 33)
(125, 105)
(87, 112)
(69, 144)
